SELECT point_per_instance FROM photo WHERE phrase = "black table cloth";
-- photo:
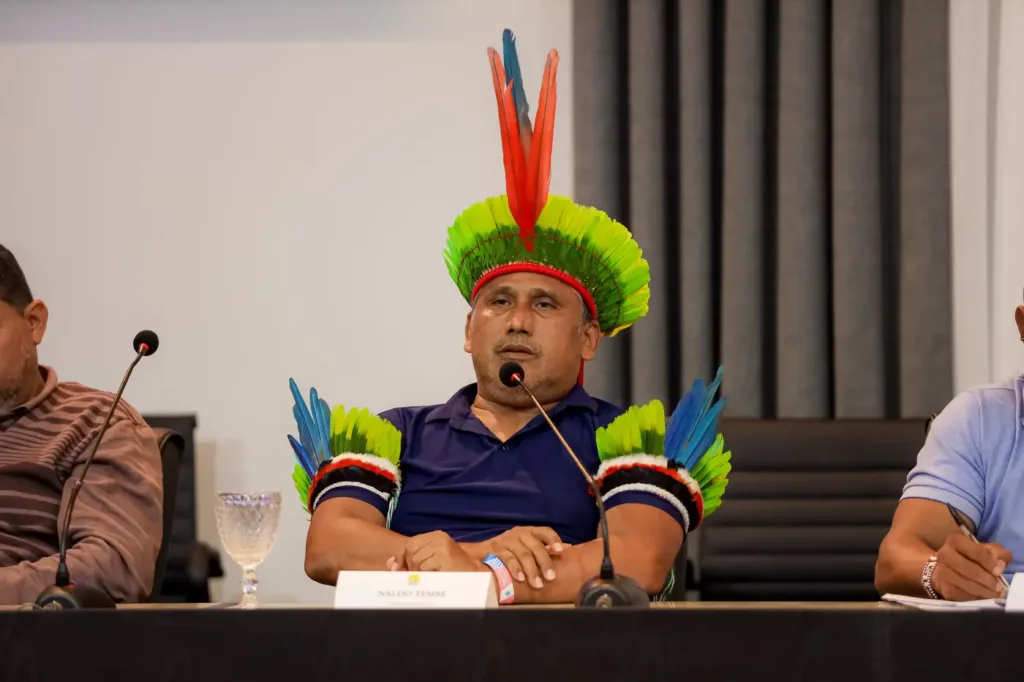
(193, 645)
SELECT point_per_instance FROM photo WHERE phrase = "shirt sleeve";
(117, 525)
(950, 468)
(354, 493)
(650, 499)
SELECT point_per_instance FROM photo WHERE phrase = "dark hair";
(14, 289)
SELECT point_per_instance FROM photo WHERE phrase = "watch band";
(506, 588)
(926, 577)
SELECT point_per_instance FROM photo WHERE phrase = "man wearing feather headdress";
(481, 482)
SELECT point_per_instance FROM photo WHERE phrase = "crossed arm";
(117, 525)
(348, 534)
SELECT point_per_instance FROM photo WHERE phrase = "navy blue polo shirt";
(458, 477)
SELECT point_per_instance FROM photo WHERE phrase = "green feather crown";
(580, 241)
(641, 431)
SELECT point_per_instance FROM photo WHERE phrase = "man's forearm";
(115, 532)
(570, 571)
(899, 566)
(579, 563)
(477, 550)
(350, 544)
(92, 562)
(22, 583)
(575, 566)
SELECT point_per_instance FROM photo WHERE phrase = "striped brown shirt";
(117, 525)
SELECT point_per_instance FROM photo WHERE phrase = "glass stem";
(249, 585)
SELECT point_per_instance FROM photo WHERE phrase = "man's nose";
(521, 320)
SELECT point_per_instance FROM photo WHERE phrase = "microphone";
(607, 589)
(64, 594)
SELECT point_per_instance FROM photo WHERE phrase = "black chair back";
(180, 545)
(807, 507)
(172, 449)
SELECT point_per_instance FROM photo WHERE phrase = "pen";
(963, 529)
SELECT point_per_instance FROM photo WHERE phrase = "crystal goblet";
(247, 524)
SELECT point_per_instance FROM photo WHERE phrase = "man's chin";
(10, 397)
(541, 386)
(515, 398)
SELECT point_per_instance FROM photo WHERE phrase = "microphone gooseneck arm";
(63, 575)
(607, 570)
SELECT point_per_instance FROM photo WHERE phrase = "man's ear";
(37, 315)
(591, 340)
(467, 344)
(1019, 316)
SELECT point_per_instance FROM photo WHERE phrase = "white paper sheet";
(943, 605)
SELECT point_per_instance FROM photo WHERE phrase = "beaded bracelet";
(926, 577)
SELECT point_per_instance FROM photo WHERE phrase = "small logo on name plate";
(414, 579)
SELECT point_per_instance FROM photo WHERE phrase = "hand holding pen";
(967, 569)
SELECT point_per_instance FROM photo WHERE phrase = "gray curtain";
(785, 166)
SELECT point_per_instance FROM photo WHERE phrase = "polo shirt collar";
(457, 410)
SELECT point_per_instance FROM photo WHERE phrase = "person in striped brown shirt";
(46, 428)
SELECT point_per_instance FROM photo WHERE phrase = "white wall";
(266, 185)
(986, 60)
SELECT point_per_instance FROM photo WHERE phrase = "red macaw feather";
(538, 179)
(512, 149)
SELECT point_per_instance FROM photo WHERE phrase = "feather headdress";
(526, 229)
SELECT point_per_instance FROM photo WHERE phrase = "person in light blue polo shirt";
(971, 465)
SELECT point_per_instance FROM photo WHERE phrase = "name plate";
(405, 590)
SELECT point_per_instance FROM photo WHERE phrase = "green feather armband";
(342, 448)
(683, 462)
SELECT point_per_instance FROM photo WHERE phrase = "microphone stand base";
(604, 593)
(74, 597)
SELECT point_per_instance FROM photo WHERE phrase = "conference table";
(706, 641)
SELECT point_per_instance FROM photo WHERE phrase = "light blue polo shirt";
(973, 459)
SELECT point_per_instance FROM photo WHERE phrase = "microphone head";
(511, 373)
(146, 338)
